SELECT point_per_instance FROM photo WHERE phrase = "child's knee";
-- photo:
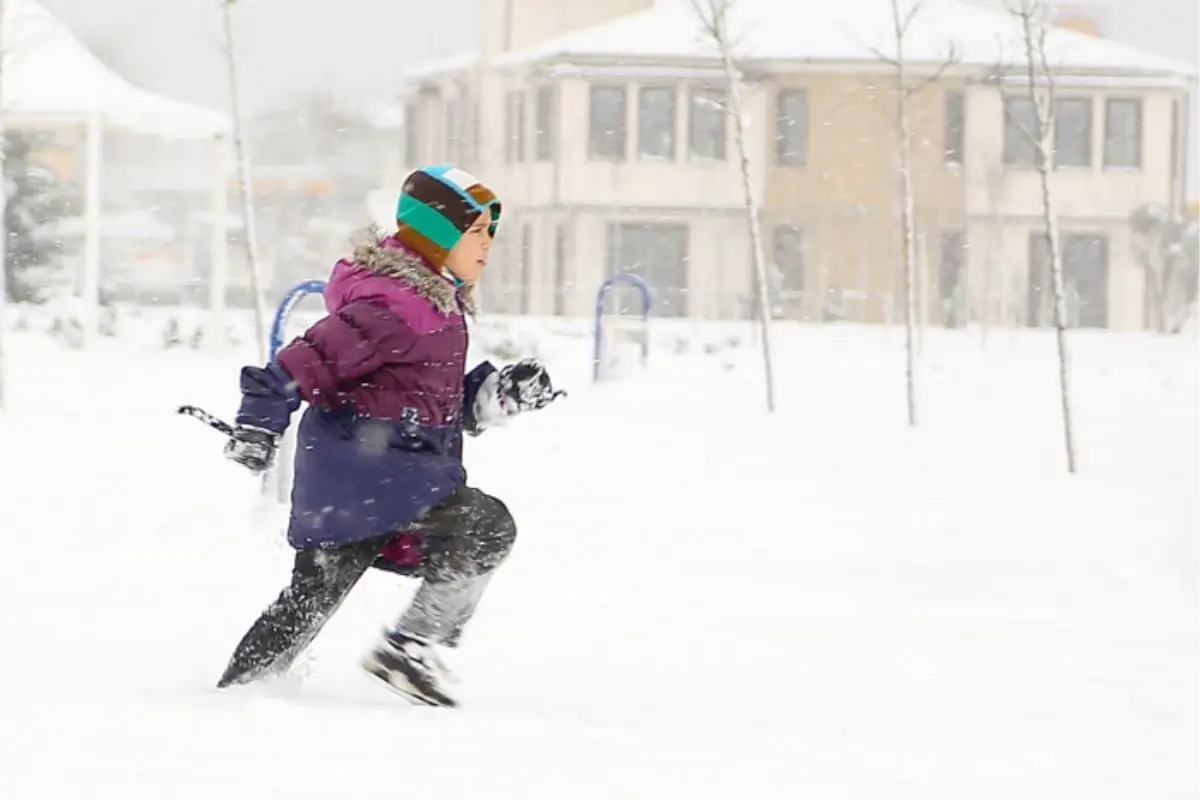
(488, 536)
(500, 528)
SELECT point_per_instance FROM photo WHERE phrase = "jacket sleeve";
(269, 398)
(343, 348)
(481, 401)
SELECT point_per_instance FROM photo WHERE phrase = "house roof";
(842, 31)
(441, 66)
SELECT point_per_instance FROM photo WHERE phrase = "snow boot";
(410, 667)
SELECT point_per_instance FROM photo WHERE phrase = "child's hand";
(253, 448)
(526, 386)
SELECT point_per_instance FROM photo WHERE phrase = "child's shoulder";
(385, 278)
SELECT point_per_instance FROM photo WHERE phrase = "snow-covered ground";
(704, 601)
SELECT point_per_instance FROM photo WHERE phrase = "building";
(604, 127)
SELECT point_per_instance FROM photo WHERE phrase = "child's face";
(470, 255)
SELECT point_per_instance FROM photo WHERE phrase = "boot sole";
(398, 683)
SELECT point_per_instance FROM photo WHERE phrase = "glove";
(253, 448)
(526, 386)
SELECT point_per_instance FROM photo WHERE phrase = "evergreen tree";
(37, 201)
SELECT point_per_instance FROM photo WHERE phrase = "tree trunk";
(760, 270)
(1043, 112)
(907, 214)
(246, 189)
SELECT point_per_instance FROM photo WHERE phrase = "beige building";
(604, 128)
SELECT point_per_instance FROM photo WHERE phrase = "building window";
(606, 122)
(1020, 132)
(526, 262)
(706, 124)
(514, 127)
(656, 122)
(1085, 280)
(952, 278)
(658, 254)
(1123, 133)
(955, 128)
(544, 123)
(791, 127)
(1073, 132)
(560, 270)
(453, 130)
(785, 273)
(412, 134)
(788, 254)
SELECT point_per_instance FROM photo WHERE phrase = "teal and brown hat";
(437, 205)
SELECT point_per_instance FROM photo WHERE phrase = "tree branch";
(879, 54)
(913, 10)
(936, 75)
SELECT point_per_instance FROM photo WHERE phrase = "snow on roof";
(432, 69)
(48, 73)
(843, 30)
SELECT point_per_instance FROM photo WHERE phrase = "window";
(514, 127)
(544, 123)
(785, 273)
(1123, 133)
(656, 122)
(526, 261)
(476, 131)
(606, 122)
(788, 256)
(656, 252)
(952, 275)
(791, 127)
(1179, 124)
(560, 270)
(706, 124)
(1020, 132)
(1073, 132)
(453, 129)
(955, 128)
(1085, 280)
(412, 134)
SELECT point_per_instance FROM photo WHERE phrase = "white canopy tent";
(49, 77)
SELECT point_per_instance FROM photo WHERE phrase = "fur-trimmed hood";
(384, 255)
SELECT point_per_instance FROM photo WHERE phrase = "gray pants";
(463, 540)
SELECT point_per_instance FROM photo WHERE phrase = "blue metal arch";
(288, 303)
(628, 279)
(281, 475)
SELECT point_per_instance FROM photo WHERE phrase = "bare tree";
(714, 18)
(902, 19)
(244, 185)
(1040, 79)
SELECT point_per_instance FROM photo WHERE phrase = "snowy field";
(703, 601)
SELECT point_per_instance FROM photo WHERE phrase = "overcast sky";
(356, 47)
(353, 48)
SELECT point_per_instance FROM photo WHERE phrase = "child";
(379, 479)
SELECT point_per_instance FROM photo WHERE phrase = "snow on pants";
(464, 540)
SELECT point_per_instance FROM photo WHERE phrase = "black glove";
(253, 448)
(525, 386)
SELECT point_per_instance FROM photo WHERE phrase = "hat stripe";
(429, 222)
(457, 206)
(423, 245)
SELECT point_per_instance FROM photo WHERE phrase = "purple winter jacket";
(383, 374)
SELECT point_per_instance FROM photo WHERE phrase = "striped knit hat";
(437, 205)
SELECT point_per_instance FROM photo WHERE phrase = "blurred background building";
(603, 126)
